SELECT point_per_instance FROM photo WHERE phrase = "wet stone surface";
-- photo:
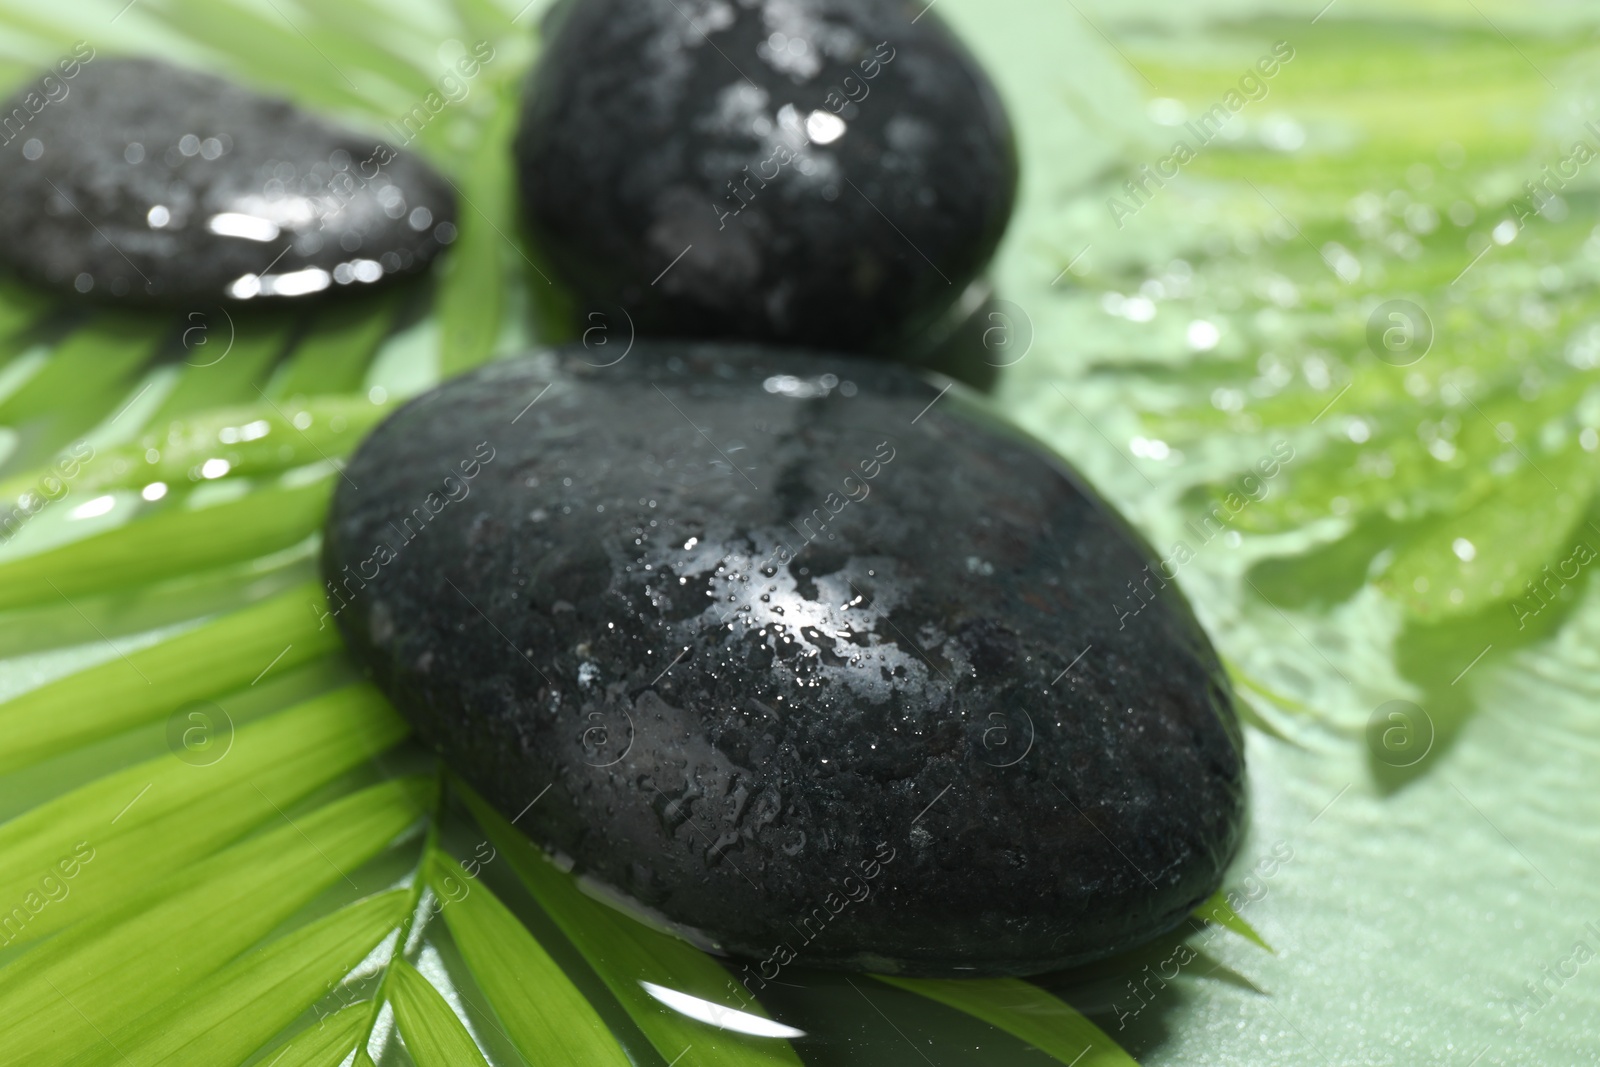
(821, 172)
(148, 182)
(801, 658)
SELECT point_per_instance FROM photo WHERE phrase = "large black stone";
(137, 180)
(761, 622)
(831, 172)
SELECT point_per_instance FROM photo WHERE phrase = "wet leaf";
(256, 996)
(229, 653)
(433, 1034)
(176, 541)
(1026, 1011)
(540, 1009)
(116, 965)
(140, 824)
(626, 954)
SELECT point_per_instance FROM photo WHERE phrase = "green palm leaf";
(89, 371)
(1028, 1012)
(172, 543)
(257, 995)
(144, 822)
(252, 440)
(231, 379)
(1216, 909)
(230, 653)
(433, 1034)
(124, 962)
(627, 955)
(333, 355)
(540, 1009)
(472, 294)
(328, 1043)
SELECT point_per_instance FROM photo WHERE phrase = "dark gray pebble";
(820, 172)
(812, 659)
(136, 180)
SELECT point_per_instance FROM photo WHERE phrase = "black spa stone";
(819, 172)
(795, 653)
(131, 179)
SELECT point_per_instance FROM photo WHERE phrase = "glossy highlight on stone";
(822, 172)
(149, 182)
(795, 653)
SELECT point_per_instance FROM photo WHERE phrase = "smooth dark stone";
(142, 181)
(742, 702)
(831, 172)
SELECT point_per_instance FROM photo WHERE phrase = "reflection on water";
(715, 1014)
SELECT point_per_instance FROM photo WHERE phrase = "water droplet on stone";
(1163, 790)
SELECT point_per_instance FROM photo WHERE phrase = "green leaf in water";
(1460, 564)
(1216, 909)
(473, 288)
(543, 1013)
(433, 1034)
(229, 653)
(626, 954)
(115, 966)
(327, 1043)
(223, 370)
(142, 823)
(333, 355)
(173, 542)
(1025, 1011)
(258, 995)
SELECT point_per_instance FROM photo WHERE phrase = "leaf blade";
(226, 654)
(1216, 909)
(537, 1003)
(328, 1043)
(119, 965)
(253, 440)
(1025, 1011)
(166, 545)
(164, 813)
(433, 1034)
(1467, 562)
(232, 376)
(334, 353)
(625, 953)
(471, 301)
(88, 372)
(258, 995)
